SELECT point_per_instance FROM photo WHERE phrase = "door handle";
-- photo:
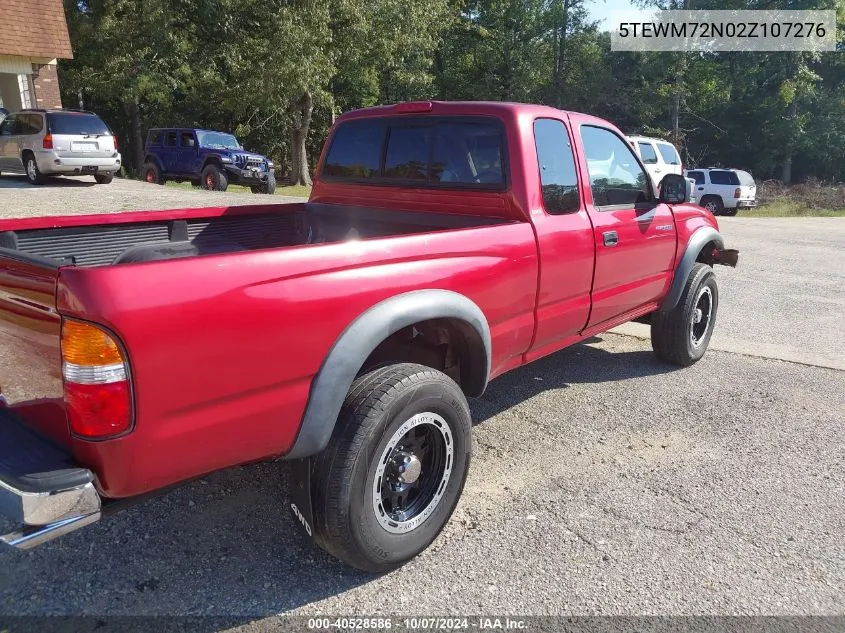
(610, 238)
(701, 188)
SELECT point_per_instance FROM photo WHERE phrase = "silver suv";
(41, 143)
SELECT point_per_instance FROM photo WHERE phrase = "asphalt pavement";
(603, 482)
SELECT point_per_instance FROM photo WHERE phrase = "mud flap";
(300, 494)
(727, 257)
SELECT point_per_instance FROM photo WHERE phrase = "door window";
(170, 139)
(698, 176)
(647, 153)
(558, 178)
(616, 177)
(187, 139)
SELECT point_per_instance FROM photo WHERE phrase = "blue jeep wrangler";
(210, 160)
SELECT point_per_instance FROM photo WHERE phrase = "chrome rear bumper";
(41, 491)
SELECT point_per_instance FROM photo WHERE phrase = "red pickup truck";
(443, 244)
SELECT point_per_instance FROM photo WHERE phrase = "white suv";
(658, 156)
(724, 191)
(41, 143)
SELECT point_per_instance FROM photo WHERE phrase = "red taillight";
(47, 142)
(98, 411)
(737, 192)
(114, 137)
(97, 390)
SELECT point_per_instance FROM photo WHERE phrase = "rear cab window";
(170, 139)
(76, 124)
(669, 154)
(423, 151)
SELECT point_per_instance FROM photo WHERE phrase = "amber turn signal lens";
(87, 345)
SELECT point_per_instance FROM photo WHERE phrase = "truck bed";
(236, 229)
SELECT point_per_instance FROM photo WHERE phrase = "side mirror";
(675, 189)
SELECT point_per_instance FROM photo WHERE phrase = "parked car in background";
(210, 160)
(41, 143)
(724, 191)
(3, 114)
(659, 157)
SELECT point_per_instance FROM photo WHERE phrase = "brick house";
(33, 35)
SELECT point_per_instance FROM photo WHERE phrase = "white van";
(659, 157)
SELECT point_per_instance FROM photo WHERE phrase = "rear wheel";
(394, 468)
(152, 174)
(33, 174)
(213, 178)
(713, 204)
(104, 178)
(681, 335)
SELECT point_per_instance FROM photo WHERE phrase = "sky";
(600, 10)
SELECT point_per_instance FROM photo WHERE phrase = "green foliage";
(244, 66)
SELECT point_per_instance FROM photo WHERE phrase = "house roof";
(35, 28)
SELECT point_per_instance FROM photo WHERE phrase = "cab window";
(170, 139)
(616, 177)
(558, 178)
(188, 140)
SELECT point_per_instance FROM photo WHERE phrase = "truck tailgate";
(30, 338)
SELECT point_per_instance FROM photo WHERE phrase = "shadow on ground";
(228, 544)
(20, 182)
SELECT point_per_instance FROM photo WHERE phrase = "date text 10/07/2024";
(418, 624)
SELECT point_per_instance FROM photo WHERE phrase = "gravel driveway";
(603, 481)
(82, 195)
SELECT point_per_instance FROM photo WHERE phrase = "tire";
(152, 174)
(33, 174)
(213, 178)
(352, 515)
(713, 204)
(681, 335)
(730, 212)
(269, 187)
(104, 178)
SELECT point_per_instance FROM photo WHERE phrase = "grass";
(785, 208)
(296, 190)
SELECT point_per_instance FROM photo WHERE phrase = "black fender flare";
(152, 158)
(213, 159)
(698, 240)
(357, 342)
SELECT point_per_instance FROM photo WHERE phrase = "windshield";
(217, 140)
(745, 178)
(76, 123)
